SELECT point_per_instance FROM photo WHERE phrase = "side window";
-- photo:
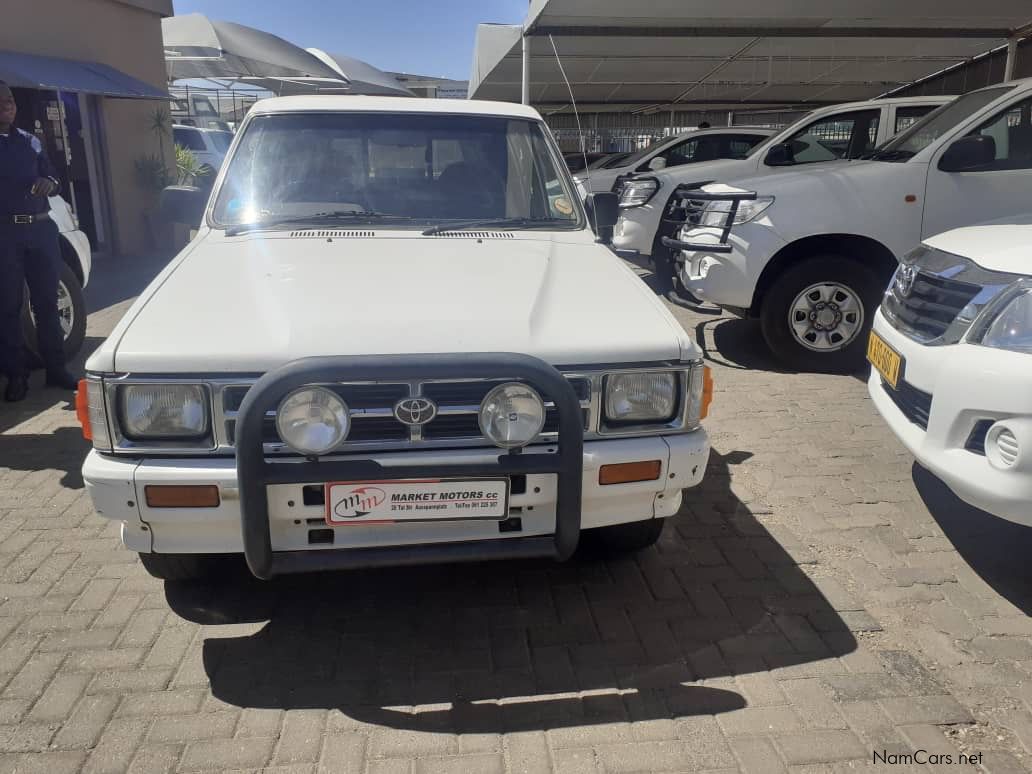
(908, 116)
(1011, 131)
(841, 136)
(188, 138)
(682, 153)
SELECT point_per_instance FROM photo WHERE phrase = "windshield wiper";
(514, 223)
(889, 155)
(315, 217)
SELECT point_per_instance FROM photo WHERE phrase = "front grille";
(931, 306)
(373, 421)
(976, 441)
(915, 404)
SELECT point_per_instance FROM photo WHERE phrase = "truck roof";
(353, 104)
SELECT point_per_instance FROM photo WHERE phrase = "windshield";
(222, 140)
(420, 167)
(937, 123)
(635, 158)
(608, 162)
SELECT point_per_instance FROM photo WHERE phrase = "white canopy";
(734, 53)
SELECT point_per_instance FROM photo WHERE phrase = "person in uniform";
(29, 254)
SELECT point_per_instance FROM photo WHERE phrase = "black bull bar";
(255, 471)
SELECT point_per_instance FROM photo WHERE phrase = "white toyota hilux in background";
(952, 353)
(378, 350)
(828, 134)
(809, 252)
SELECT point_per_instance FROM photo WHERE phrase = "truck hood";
(1000, 245)
(249, 304)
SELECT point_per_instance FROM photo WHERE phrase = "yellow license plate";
(887, 361)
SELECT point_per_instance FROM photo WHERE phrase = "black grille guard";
(681, 202)
(255, 472)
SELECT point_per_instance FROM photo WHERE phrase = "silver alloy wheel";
(826, 317)
(65, 309)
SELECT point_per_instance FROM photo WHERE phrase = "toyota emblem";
(905, 278)
(415, 411)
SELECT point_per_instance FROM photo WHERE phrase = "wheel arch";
(862, 249)
(71, 258)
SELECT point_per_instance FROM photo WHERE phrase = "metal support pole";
(526, 70)
(1012, 55)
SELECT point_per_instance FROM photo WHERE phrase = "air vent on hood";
(310, 234)
(474, 235)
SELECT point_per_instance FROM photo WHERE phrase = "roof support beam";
(632, 31)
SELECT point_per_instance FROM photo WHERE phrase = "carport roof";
(735, 53)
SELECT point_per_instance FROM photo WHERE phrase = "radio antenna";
(580, 131)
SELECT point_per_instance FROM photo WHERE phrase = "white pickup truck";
(952, 353)
(828, 134)
(378, 350)
(809, 252)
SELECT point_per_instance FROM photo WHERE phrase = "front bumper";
(269, 508)
(970, 388)
(636, 230)
(116, 486)
(728, 278)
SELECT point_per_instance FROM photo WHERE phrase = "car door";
(996, 190)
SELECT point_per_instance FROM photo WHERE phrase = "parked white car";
(389, 357)
(952, 354)
(840, 131)
(209, 147)
(77, 261)
(696, 147)
(810, 253)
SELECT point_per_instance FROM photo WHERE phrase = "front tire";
(179, 567)
(628, 538)
(817, 314)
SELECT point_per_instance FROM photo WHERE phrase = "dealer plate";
(387, 502)
(887, 361)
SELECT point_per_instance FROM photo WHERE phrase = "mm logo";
(359, 502)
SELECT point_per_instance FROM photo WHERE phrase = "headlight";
(1011, 326)
(641, 397)
(174, 412)
(313, 420)
(715, 213)
(512, 415)
(638, 191)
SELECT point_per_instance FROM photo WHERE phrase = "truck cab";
(809, 251)
(379, 350)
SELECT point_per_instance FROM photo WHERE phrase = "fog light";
(182, 496)
(1002, 447)
(630, 472)
(313, 420)
(512, 415)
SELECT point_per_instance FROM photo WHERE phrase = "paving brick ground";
(818, 600)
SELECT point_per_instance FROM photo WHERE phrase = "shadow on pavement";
(507, 646)
(62, 449)
(738, 343)
(996, 549)
(118, 279)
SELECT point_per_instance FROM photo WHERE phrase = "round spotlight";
(313, 421)
(512, 415)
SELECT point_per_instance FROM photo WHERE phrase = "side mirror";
(182, 204)
(969, 153)
(780, 155)
(603, 213)
(657, 164)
